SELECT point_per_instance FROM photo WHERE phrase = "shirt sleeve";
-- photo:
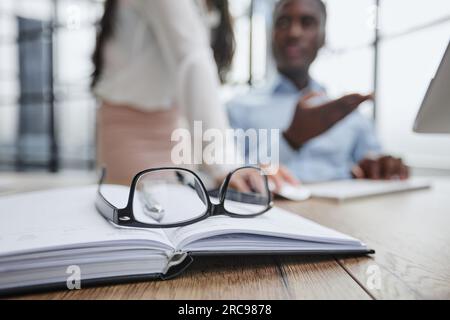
(367, 142)
(185, 45)
(287, 153)
(236, 116)
(236, 113)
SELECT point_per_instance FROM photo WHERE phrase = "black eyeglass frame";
(125, 217)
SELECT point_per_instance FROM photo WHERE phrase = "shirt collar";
(282, 85)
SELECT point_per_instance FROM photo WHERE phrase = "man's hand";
(310, 122)
(383, 168)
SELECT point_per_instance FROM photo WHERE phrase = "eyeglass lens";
(168, 197)
(253, 196)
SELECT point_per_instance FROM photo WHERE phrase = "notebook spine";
(178, 263)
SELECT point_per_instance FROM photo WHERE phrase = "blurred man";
(320, 141)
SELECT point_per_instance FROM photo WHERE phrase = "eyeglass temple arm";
(250, 198)
(195, 187)
(106, 209)
(244, 197)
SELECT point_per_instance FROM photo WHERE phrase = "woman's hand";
(281, 178)
(248, 180)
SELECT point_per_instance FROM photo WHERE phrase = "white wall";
(408, 64)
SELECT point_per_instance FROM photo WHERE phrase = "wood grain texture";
(409, 231)
(246, 278)
(391, 286)
(207, 278)
(319, 278)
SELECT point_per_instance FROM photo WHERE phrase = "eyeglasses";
(176, 197)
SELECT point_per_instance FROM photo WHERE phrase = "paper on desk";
(276, 223)
(352, 189)
(60, 218)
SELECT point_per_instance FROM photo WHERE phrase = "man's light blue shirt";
(331, 156)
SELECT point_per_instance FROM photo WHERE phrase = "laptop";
(434, 114)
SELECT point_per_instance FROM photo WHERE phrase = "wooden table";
(409, 231)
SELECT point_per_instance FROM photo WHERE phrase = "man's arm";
(367, 143)
(237, 114)
(310, 122)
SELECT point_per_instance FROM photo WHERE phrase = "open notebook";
(42, 234)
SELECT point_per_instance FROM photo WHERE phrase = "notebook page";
(275, 223)
(255, 243)
(63, 218)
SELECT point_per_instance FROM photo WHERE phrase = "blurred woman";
(156, 63)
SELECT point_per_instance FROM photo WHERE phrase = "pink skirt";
(130, 140)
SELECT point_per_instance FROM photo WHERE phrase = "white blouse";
(159, 57)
